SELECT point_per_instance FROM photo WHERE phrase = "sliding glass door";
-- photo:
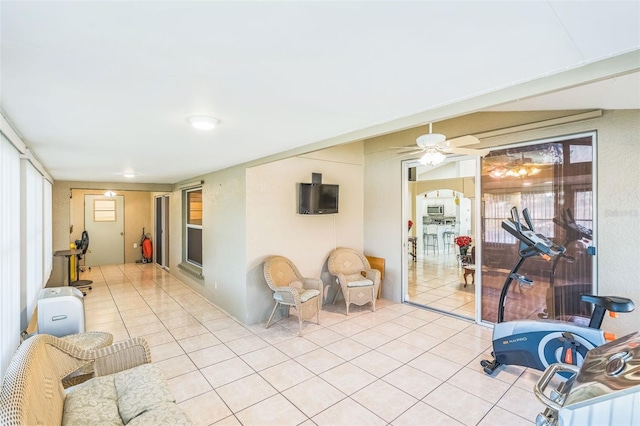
(554, 180)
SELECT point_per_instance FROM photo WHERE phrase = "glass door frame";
(406, 165)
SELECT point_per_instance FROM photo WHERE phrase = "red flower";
(462, 241)
(410, 223)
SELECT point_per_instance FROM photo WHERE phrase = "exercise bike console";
(531, 244)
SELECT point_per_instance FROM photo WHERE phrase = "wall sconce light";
(110, 194)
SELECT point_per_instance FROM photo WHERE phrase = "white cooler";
(60, 311)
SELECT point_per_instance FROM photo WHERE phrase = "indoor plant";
(464, 242)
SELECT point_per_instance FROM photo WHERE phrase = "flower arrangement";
(462, 241)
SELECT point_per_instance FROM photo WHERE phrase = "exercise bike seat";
(610, 303)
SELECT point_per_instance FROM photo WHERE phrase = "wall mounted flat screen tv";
(317, 198)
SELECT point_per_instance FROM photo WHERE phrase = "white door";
(104, 222)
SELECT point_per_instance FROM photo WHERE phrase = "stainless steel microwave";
(435, 210)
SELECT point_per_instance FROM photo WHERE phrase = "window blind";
(9, 252)
(47, 227)
(33, 238)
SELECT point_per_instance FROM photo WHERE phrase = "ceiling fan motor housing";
(430, 139)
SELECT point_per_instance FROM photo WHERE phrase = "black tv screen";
(317, 198)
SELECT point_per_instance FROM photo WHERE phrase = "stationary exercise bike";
(539, 343)
(564, 301)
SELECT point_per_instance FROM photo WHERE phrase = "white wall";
(249, 213)
(223, 240)
(275, 228)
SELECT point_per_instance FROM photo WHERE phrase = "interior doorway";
(439, 204)
(161, 254)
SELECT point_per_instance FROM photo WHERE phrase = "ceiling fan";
(435, 147)
(505, 166)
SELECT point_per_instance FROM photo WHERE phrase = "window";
(583, 213)
(33, 237)
(193, 226)
(10, 223)
(104, 211)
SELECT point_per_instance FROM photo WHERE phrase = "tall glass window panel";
(554, 181)
(9, 252)
(193, 232)
(47, 226)
(33, 238)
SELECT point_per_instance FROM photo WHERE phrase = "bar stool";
(430, 238)
(448, 236)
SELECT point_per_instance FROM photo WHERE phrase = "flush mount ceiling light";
(202, 122)
(130, 175)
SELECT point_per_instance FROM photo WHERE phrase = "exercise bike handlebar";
(530, 243)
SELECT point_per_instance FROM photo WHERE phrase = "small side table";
(413, 244)
(68, 254)
(469, 270)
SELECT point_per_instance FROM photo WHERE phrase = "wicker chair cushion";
(140, 389)
(162, 414)
(304, 295)
(96, 399)
(363, 282)
(357, 280)
(139, 393)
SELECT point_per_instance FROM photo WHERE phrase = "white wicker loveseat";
(126, 389)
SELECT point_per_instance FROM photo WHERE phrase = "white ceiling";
(99, 88)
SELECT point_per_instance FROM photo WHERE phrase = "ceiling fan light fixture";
(516, 171)
(203, 122)
(498, 172)
(432, 158)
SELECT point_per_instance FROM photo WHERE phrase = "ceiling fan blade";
(463, 141)
(407, 149)
(469, 151)
(415, 151)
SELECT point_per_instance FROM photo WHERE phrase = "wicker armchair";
(33, 393)
(358, 281)
(291, 289)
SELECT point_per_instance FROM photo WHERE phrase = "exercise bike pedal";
(489, 366)
(488, 371)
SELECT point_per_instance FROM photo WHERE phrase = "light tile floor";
(435, 280)
(397, 366)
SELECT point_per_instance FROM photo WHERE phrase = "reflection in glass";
(554, 181)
